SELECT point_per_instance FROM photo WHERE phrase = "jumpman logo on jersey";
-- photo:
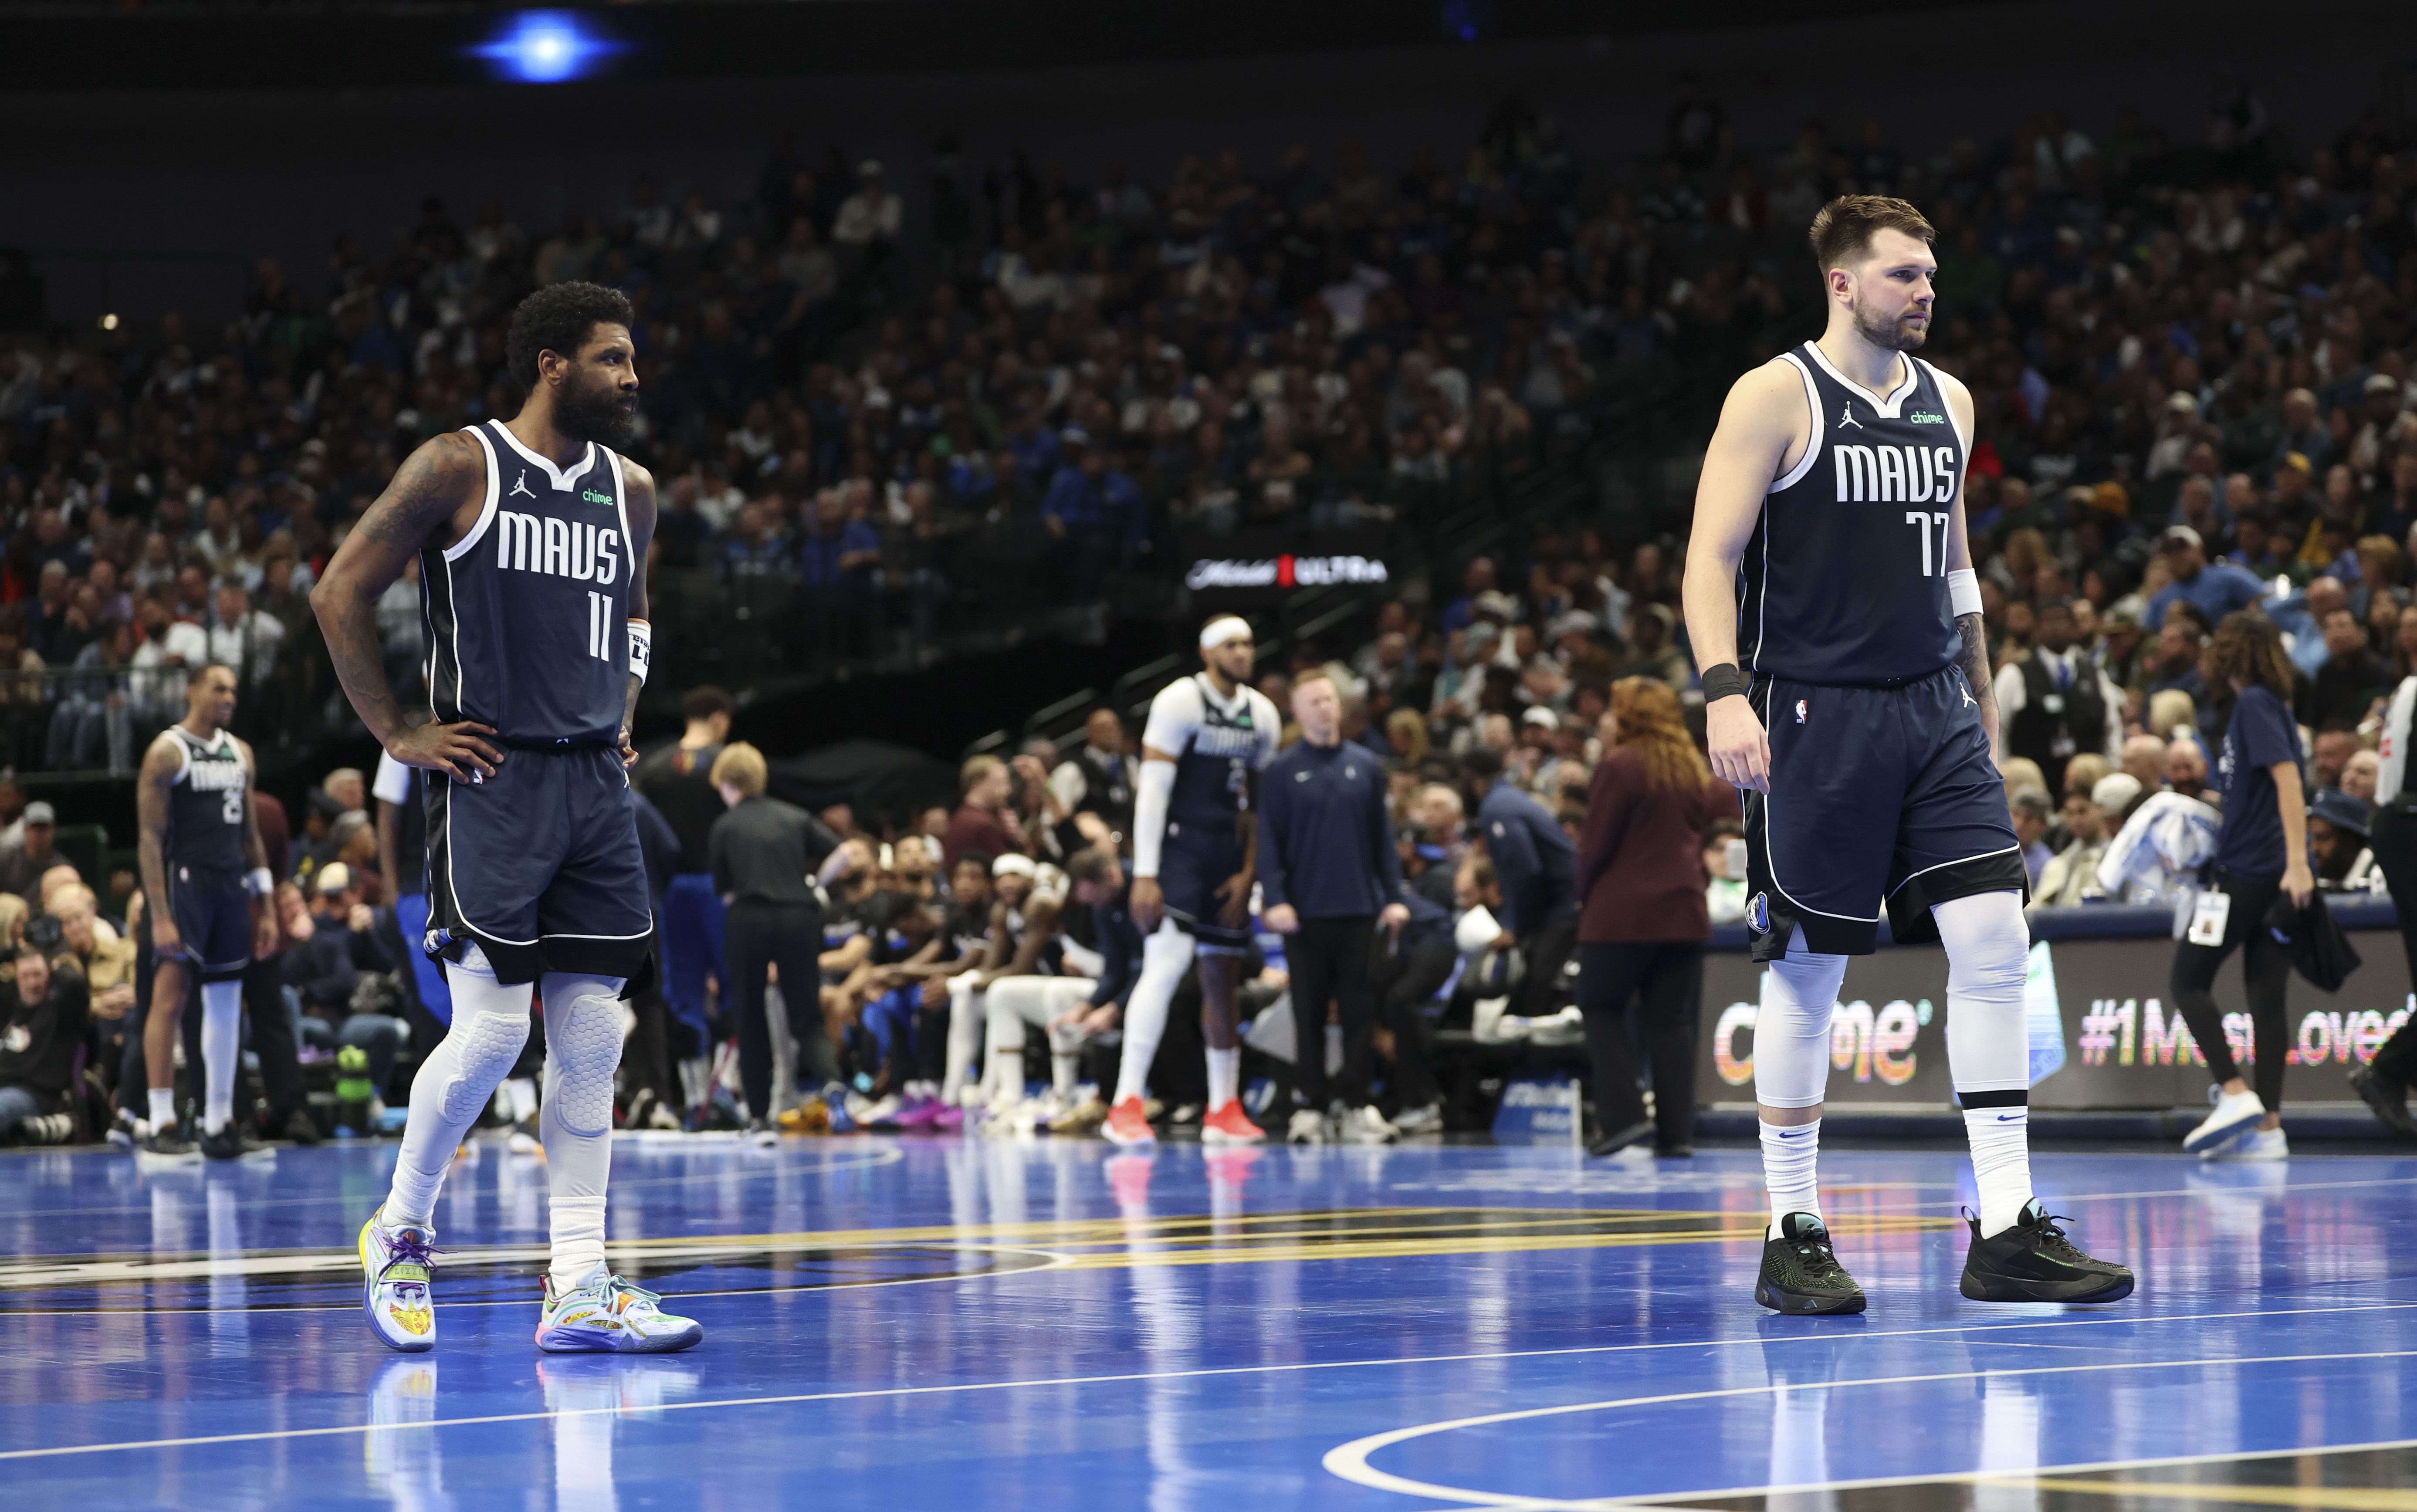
(1847, 417)
(521, 486)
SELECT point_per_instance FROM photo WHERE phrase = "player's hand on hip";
(1146, 903)
(1236, 891)
(629, 752)
(1281, 919)
(1740, 750)
(456, 750)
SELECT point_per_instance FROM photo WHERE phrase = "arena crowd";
(870, 402)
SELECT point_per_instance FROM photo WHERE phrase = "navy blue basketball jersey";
(1216, 744)
(527, 615)
(1845, 579)
(208, 804)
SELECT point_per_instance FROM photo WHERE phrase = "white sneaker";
(1426, 1120)
(1308, 1127)
(2262, 1144)
(1367, 1126)
(2235, 1116)
(609, 1316)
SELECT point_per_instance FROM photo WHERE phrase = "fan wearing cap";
(1207, 739)
(2215, 588)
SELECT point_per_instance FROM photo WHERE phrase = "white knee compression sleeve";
(583, 1049)
(1988, 1045)
(222, 1051)
(490, 1024)
(1164, 957)
(965, 1009)
(1988, 945)
(1791, 1033)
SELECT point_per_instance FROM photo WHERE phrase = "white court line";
(1288, 1369)
(1349, 1461)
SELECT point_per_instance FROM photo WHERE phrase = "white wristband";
(642, 649)
(1152, 789)
(258, 883)
(1963, 591)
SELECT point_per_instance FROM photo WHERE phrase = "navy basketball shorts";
(1881, 797)
(538, 867)
(1195, 861)
(213, 914)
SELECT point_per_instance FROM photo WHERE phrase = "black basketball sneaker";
(2035, 1261)
(1800, 1274)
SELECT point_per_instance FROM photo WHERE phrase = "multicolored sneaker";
(609, 1316)
(397, 1265)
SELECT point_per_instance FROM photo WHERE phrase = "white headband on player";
(1222, 629)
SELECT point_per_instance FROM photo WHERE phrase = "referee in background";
(1329, 876)
(2384, 1082)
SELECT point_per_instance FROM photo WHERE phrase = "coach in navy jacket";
(1328, 875)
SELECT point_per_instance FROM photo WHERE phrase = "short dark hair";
(1843, 229)
(705, 703)
(1482, 761)
(1090, 864)
(558, 317)
(973, 859)
(197, 673)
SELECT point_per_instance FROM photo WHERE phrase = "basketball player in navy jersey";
(1195, 840)
(531, 536)
(205, 884)
(1836, 617)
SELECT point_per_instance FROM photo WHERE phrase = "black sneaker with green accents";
(2035, 1261)
(1800, 1274)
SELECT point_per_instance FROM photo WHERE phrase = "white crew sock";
(1224, 1075)
(1789, 1155)
(222, 1051)
(163, 1108)
(1063, 1069)
(2001, 1163)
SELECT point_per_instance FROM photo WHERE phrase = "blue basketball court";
(900, 1324)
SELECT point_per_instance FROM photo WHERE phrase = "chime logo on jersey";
(1894, 475)
(560, 548)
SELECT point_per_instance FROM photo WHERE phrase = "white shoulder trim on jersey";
(1269, 722)
(184, 755)
(486, 509)
(1887, 407)
(1813, 445)
(560, 480)
(1963, 437)
(1175, 716)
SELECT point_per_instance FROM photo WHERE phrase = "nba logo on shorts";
(1800, 711)
(1757, 913)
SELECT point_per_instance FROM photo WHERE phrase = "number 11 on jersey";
(600, 623)
(1913, 517)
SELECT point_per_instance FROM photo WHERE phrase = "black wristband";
(1721, 680)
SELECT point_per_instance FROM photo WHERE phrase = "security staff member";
(2053, 705)
(1327, 876)
(765, 854)
(2384, 1082)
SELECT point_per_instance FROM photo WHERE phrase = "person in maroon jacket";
(1642, 922)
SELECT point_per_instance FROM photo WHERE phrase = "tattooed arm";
(1973, 656)
(638, 498)
(434, 483)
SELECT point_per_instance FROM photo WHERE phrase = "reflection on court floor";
(897, 1323)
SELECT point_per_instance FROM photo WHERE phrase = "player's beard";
(604, 415)
(1894, 334)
